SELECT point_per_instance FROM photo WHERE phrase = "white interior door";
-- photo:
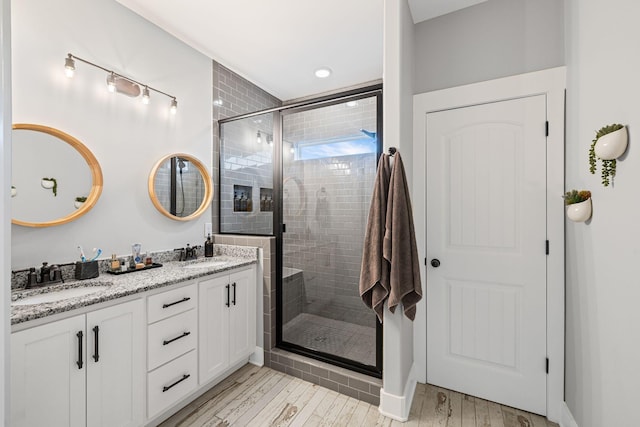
(486, 225)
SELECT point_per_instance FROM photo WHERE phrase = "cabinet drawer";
(169, 338)
(172, 302)
(171, 382)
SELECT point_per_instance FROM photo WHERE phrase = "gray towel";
(399, 246)
(374, 273)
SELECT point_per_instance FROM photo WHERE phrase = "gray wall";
(494, 39)
(603, 320)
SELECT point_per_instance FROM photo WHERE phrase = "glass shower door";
(329, 157)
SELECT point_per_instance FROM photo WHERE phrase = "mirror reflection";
(55, 178)
(180, 187)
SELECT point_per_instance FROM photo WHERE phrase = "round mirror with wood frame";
(34, 174)
(180, 187)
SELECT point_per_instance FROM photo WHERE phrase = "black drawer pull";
(167, 387)
(96, 355)
(234, 293)
(165, 342)
(227, 304)
(185, 299)
(79, 362)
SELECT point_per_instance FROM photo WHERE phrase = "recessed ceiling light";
(323, 73)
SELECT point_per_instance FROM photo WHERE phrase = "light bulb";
(259, 138)
(145, 95)
(174, 106)
(69, 66)
(111, 82)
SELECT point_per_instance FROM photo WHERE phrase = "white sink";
(63, 294)
(205, 264)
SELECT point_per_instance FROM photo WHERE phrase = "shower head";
(371, 135)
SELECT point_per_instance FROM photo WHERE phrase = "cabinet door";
(47, 381)
(242, 319)
(214, 301)
(115, 366)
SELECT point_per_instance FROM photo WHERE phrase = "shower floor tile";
(344, 339)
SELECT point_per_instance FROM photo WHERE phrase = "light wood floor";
(263, 397)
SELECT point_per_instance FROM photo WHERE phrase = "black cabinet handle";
(234, 293)
(96, 355)
(227, 304)
(165, 342)
(79, 362)
(167, 387)
(185, 299)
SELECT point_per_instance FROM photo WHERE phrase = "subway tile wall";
(232, 96)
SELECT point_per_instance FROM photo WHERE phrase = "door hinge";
(547, 367)
(547, 248)
(546, 128)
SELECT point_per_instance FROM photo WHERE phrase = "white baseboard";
(567, 417)
(398, 407)
(257, 357)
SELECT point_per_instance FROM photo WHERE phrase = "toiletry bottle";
(236, 203)
(262, 200)
(243, 203)
(115, 263)
(249, 204)
(208, 247)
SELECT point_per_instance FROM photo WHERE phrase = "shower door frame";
(278, 226)
(278, 112)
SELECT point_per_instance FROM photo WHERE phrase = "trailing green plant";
(55, 185)
(575, 196)
(608, 166)
(81, 199)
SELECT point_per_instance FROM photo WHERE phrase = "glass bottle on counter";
(236, 203)
(249, 204)
(243, 203)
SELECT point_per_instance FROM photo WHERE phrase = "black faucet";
(188, 253)
(48, 276)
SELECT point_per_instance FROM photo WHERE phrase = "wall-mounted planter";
(609, 144)
(612, 145)
(50, 184)
(579, 212)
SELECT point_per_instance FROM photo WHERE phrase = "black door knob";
(435, 263)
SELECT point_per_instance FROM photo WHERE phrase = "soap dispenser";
(208, 247)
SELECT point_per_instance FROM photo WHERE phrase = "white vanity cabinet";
(84, 370)
(227, 313)
(172, 336)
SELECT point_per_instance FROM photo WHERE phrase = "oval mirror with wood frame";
(55, 177)
(180, 187)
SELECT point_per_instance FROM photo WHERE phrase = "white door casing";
(550, 83)
(486, 225)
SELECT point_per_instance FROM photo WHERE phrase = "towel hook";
(392, 151)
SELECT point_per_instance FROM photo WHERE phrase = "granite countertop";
(121, 285)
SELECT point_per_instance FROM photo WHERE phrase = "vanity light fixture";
(259, 138)
(69, 66)
(145, 95)
(119, 83)
(269, 140)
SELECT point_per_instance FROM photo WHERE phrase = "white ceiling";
(278, 44)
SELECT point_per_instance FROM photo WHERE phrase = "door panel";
(486, 223)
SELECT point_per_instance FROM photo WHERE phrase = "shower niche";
(242, 198)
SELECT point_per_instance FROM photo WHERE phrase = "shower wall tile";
(232, 95)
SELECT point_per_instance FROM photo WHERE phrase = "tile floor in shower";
(337, 337)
